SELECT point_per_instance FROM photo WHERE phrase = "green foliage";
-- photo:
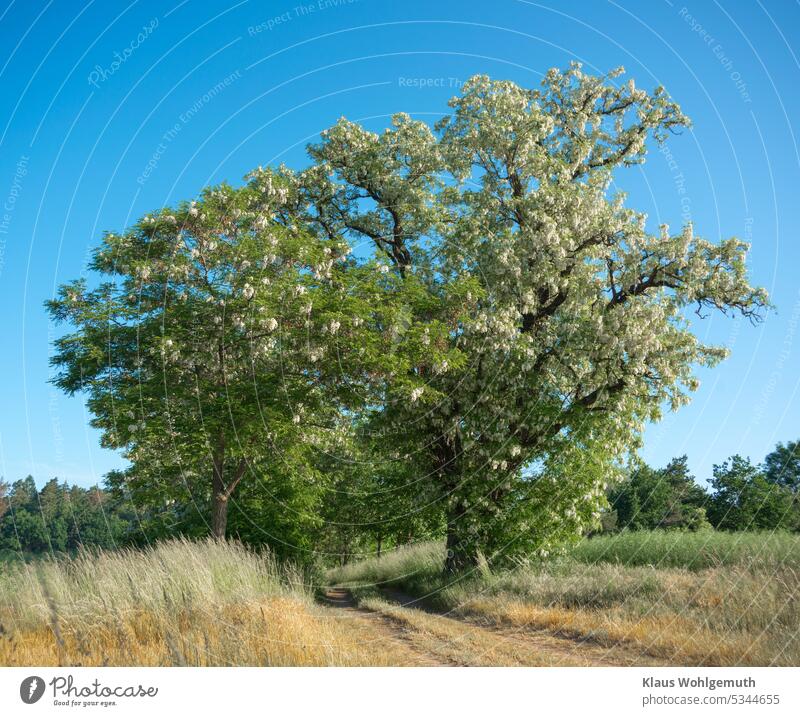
(59, 518)
(492, 359)
(782, 465)
(666, 498)
(745, 499)
(374, 503)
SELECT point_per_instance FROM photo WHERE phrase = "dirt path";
(419, 636)
(377, 629)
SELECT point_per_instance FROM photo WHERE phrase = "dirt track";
(417, 636)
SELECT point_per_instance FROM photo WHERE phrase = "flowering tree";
(204, 349)
(561, 322)
(505, 342)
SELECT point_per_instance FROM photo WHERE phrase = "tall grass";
(418, 565)
(702, 598)
(178, 603)
(692, 550)
(171, 577)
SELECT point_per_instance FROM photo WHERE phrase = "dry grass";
(463, 642)
(211, 603)
(179, 603)
(743, 613)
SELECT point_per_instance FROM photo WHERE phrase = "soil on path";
(417, 635)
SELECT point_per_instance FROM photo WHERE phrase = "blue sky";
(110, 110)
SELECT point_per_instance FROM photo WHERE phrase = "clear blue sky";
(91, 139)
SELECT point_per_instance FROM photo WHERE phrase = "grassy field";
(690, 598)
(179, 603)
(691, 550)
(640, 598)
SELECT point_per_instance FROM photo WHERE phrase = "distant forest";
(62, 518)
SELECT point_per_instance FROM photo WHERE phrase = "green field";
(691, 550)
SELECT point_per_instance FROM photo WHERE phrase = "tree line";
(59, 518)
(741, 496)
(465, 319)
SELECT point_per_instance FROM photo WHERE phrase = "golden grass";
(676, 639)
(280, 632)
(742, 613)
(726, 616)
(216, 604)
(179, 603)
(459, 642)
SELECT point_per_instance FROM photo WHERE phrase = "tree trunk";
(219, 516)
(460, 546)
(380, 544)
(344, 554)
(220, 490)
(461, 553)
(219, 498)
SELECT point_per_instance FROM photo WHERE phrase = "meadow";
(703, 598)
(690, 550)
(177, 603)
(646, 598)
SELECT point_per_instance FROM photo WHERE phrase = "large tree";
(566, 318)
(203, 347)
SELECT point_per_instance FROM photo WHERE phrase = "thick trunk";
(461, 553)
(460, 546)
(219, 498)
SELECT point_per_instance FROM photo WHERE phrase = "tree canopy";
(782, 465)
(505, 337)
(745, 499)
(660, 498)
(59, 517)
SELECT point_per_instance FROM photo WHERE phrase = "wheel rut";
(427, 637)
(381, 628)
